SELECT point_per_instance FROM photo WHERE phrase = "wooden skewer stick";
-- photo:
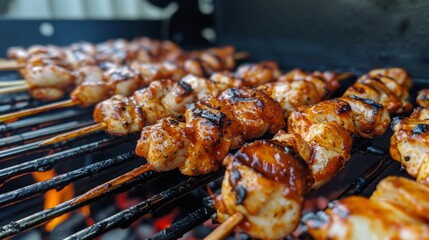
(9, 65)
(74, 134)
(12, 83)
(241, 55)
(97, 191)
(226, 227)
(14, 89)
(15, 116)
(344, 75)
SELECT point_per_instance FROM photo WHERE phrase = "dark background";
(339, 34)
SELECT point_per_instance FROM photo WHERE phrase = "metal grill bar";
(124, 218)
(36, 219)
(367, 177)
(48, 162)
(62, 180)
(179, 228)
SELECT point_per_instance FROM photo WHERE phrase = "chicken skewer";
(172, 101)
(117, 51)
(211, 130)
(44, 61)
(398, 209)
(265, 180)
(96, 86)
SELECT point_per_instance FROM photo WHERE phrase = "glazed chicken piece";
(423, 98)
(120, 114)
(156, 71)
(265, 181)
(408, 195)
(373, 88)
(49, 82)
(258, 74)
(327, 127)
(388, 87)
(213, 60)
(370, 119)
(398, 74)
(398, 209)
(95, 85)
(296, 92)
(326, 84)
(361, 218)
(17, 53)
(214, 126)
(146, 50)
(409, 144)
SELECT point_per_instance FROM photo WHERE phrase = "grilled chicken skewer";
(398, 209)
(95, 86)
(117, 51)
(409, 144)
(167, 98)
(170, 100)
(49, 69)
(266, 180)
(211, 130)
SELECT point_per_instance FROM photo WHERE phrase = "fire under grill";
(36, 182)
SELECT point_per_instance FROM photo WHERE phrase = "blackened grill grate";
(20, 156)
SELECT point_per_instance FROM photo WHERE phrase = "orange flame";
(54, 198)
(165, 221)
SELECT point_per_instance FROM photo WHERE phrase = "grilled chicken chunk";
(400, 75)
(409, 144)
(408, 195)
(398, 209)
(361, 218)
(265, 182)
(423, 98)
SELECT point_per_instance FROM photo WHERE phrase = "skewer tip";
(241, 55)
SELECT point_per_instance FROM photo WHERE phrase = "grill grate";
(370, 162)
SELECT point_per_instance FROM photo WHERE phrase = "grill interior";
(355, 36)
